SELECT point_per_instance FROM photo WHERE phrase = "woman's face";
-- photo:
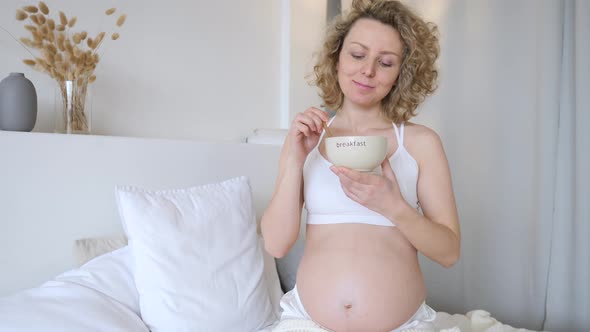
(369, 62)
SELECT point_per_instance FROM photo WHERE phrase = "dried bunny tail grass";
(41, 18)
(63, 19)
(72, 22)
(30, 9)
(99, 39)
(69, 47)
(51, 24)
(43, 8)
(77, 53)
(35, 19)
(82, 79)
(37, 36)
(46, 67)
(51, 36)
(51, 48)
(50, 57)
(76, 74)
(59, 77)
(43, 67)
(39, 61)
(27, 42)
(121, 20)
(39, 67)
(21, 15)
(77, 38)
(89, 59)
(82, 58)
(61, 42)
(61, 52)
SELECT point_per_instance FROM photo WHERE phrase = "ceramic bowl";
(362, 153)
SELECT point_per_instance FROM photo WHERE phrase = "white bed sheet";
(473, 321)
(101, 296)
(95, 297)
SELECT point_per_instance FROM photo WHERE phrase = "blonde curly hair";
(418, 74)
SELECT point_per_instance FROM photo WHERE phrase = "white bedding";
(101, 296)
(474, 321)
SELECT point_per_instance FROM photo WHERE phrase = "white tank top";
(326, 202)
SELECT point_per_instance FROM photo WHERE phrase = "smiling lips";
(363, 86)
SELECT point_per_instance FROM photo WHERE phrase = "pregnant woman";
(360, 270)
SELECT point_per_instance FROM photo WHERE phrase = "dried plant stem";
(18, 41)
(75, 117)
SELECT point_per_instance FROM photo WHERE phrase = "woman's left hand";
(379, 193)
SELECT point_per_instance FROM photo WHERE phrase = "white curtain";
(568, 293)
(513, 110)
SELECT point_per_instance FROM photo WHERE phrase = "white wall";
(182, 69)
(308, 23)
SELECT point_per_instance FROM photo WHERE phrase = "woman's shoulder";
(420, 139)
(420, 132)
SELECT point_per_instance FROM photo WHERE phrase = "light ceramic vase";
(18, 103)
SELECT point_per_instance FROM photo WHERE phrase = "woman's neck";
(360, 120)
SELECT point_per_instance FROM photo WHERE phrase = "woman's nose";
(368, 69)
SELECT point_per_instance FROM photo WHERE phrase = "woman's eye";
(385, 64)
(357, 56)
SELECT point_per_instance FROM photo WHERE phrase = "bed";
(63, 194)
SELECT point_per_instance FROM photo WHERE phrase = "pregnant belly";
(358, 289)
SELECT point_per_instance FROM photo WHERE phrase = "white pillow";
(99, 253)
(198, 265)
(96, 252)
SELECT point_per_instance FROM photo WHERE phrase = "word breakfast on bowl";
(352, 143)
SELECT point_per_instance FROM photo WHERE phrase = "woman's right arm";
(282, 218)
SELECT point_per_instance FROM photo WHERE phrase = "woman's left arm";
(435, 234)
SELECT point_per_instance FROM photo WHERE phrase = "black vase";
(18, 103)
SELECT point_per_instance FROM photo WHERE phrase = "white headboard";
(56, 188)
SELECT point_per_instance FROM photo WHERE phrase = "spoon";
(328, 133)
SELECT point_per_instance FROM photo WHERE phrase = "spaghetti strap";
(399, 134)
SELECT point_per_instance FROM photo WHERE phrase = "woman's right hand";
(305, 132)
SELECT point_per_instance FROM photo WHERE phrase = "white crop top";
(326, 202)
